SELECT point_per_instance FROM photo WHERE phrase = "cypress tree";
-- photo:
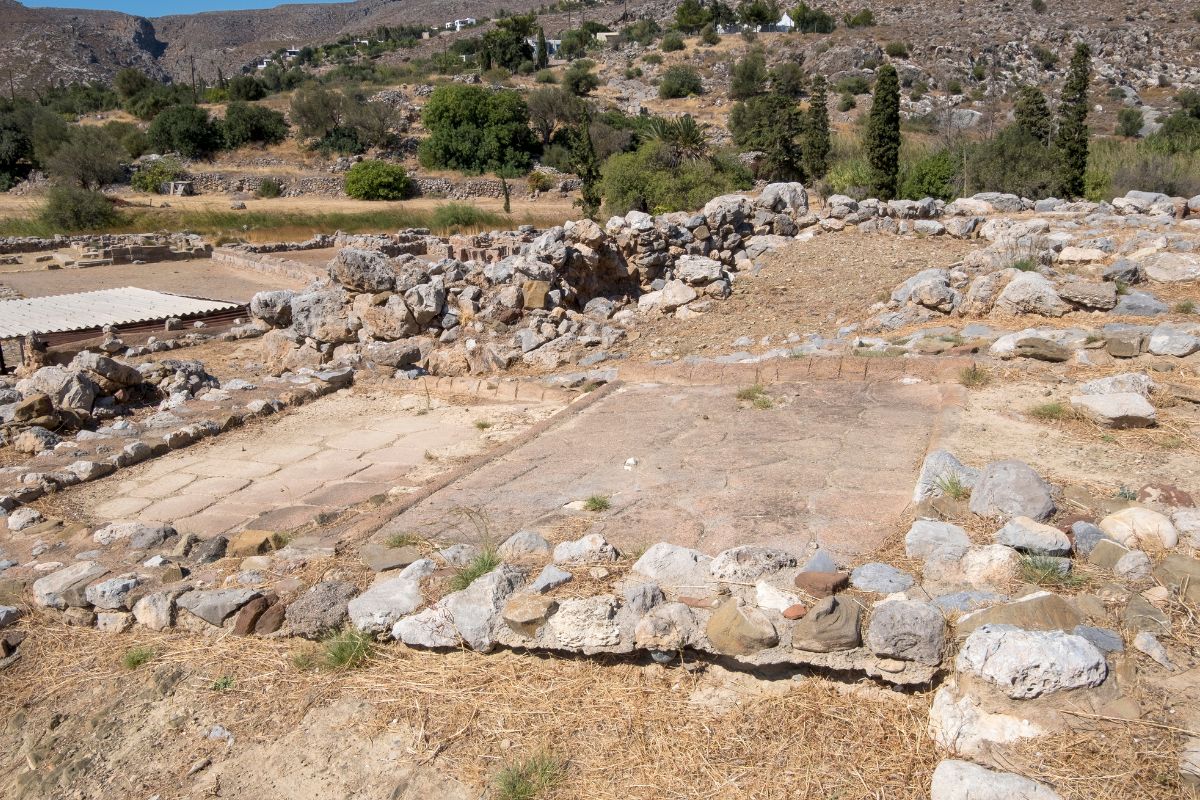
(1072, 139)
(543, 56)
(883, 133)
(816, 131)
(1032, 114)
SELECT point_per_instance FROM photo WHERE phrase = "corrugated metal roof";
(76, 312)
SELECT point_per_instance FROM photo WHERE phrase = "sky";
(157, 8)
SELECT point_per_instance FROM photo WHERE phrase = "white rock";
(961, 726)
(1030, 536)
(1027, 664)
(962, 780)
(1143, 527)
(383, 604)
(768, 596)
(587, 550)
(990, 566)
(585, 624)
(1136, 382)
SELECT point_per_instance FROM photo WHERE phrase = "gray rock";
(1031, 293)
(362, 270)
(214, 606)
(209, 550)
(24, 517)
(383, 604)
(1125, 410)
(157, 611)
(1104, 639)
(432, 627)
(90, 470)
(551, 577)
(820, 561)
(9, 615)
(926, 537)
(320, 610)
(962, 780)
(273, 308)
(642, 597)
(697, 270)
(968, 600)
(674, 566)
(112, 594)
(1148, 643)
(749, 562)
(1139, 304)
(458, 555)
(908, 630)
(1087, 536)
(1012, 489)
(880, 578)
(1126, 382)
(66, 586)
(476, 609)
(1172, 340)
(939, 466)
(1026, 664)
(524, 544)
(1028, 536)
(1134, 566)
(381, 558)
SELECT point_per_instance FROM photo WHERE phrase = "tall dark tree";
(816, 131)
(883, 134)
(1072, 138)
(749, 76)
(1032, 114)
(586, 165)
(543, 54)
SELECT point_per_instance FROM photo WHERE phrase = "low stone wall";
(269, 264)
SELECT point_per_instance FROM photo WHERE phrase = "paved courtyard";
(833, 461)
(328, 455)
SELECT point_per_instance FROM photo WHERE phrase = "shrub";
(377, 180)
(756, 395)
(244, 87)
(952, 486)
(851, 177)
(89, 159)
(652, 179)
(974, 377)
(69, 209)
(749, 76)
(246, 124)
(473, 129)
(1129, 122)
(680, 81)
(863, 19)
(652, 58)
(1049, 571)
(671, 42)
(186, 130)
(316, 111)
(1011, 161)
(954, 86)
(1048, 412)
(1038, 6)
(812, 20)
(545, 76)
(269, 188)
(931, 175)
(788, 80)
(772, 124)
(347, 650)
(846, 102)
(1046, 57)
(709, 35)
(539, 181)
(342, 140)
(896, 49)
(150, 178)
(853, 84)
(579, 79)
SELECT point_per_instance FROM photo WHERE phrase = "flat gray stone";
(476, 610)
(1012, 489)
(1029, 536)
(214, 606)
(551, 577)
(962, 780)
(1104, 639)
(927, 536)
(112, 594)
(674, 566)
(383, 604)
(66, 587)
(320, 610)
(880, 578)
(524, 544)
(908, 630)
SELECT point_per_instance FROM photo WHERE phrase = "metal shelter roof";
(85, 310)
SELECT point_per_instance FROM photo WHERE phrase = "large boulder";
(1140, 526)
(390, 320)
(321, 609)
(362, 270)
(1012, 489)
(322, 315)
(1031, 293)
(110, 374)
(66, 388)
(273, 308)
(1119, 410)
(784, 198)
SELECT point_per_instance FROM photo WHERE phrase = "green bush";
(931, 175)
(1011, 161)
(473, 129)
(1046, 57)
(680, 81)
(812, 20)
(186, 130)
(846, 102)
(863, 19)
(652, 58)
(851, 177)
(671, 42)
(651, 179)
(342, 140)
(247, 124)
(749, 76)
(244, 87)
(89, 159)
(772, 124)
(579, 79)
(709, 35)
(788, 79)
(269, 188)
(377, 180)
(1129, 122)
(954, 86)
(69, 209)
(853, 84)
(150, 178)
(545, 76)
(540, 181)
(896, 49)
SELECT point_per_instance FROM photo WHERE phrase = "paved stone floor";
(330, 454)
(830, 460)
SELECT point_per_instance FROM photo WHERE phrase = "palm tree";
(686, 139)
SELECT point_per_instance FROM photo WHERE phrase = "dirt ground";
(195, 278)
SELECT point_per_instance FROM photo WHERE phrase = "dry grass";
(629, 729)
